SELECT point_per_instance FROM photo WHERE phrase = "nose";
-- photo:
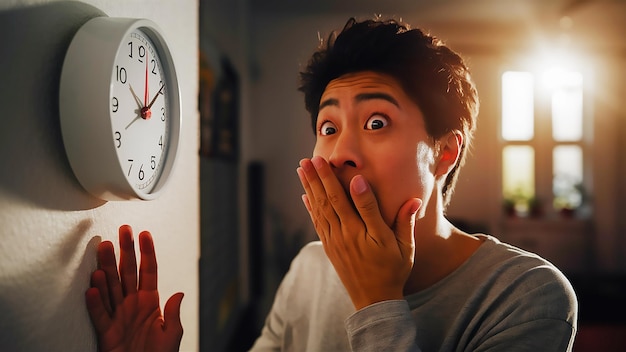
(346, 152)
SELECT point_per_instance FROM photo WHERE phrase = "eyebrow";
(361, 97)
(371, 96)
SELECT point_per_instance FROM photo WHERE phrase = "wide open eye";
(327, 128)
(376, 122)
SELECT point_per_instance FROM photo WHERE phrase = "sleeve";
(383, 326)
(271, 338)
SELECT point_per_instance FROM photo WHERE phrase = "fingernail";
(359, 185)
(305, 164)
(305, 201)
(317, 161)
(415, 206)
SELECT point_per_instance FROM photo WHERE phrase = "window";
(542, 134)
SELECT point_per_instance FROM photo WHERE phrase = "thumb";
(171, 315)
(405, 227)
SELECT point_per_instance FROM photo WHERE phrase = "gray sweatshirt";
(501, 299)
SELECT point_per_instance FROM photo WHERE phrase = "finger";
(171, 315)
(325, 181)
(306, 202)
(108, 264)
(322, 228)
(99, 281)
(97, 312)
(320, 223)
(148, 266)
(405, 228)
(329, 203)
(367, 206)
(308, 195)
(307, 188)
(307, 175)
(128, 261)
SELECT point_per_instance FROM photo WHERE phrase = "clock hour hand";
(139, 104)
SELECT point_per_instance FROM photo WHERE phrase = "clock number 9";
(116, 105)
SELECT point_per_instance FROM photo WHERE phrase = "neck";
(440, 248)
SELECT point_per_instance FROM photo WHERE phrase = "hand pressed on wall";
(124, 307)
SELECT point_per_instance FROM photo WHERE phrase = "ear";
(448, 152)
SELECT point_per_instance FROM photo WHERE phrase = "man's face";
(368, 126)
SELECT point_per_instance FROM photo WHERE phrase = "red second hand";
(145, 95)
(145, 111)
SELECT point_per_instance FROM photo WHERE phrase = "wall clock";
(120, 108)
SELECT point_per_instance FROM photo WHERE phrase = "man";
(394, 111)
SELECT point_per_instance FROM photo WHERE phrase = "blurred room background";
(545, 171)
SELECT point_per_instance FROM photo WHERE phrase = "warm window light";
(518, 175)
(517, 106)
(567, 104)
(568, 176)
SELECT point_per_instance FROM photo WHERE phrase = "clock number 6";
(141, 174)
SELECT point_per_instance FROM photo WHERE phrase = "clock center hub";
(146, 113)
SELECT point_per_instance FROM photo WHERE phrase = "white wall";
(49, 226)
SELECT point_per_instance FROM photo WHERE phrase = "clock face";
(139, 111)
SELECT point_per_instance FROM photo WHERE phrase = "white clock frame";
(85, 107)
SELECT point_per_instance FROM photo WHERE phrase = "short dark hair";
(433, 76)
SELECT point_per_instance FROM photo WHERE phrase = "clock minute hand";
(145, 111)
